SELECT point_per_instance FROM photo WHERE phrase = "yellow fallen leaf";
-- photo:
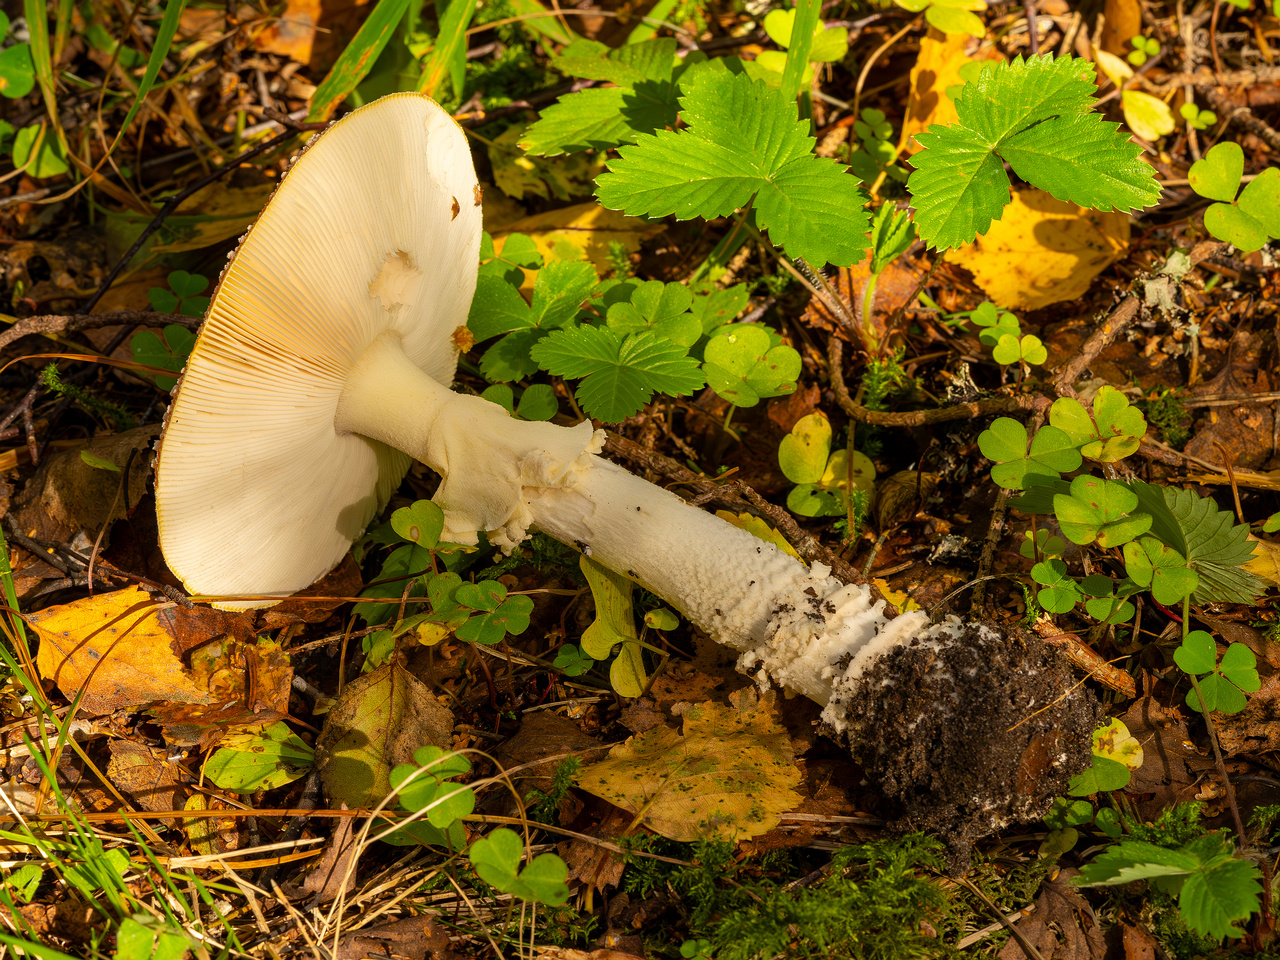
(937, 67)
(1265, 562)
(899, 598)
(1043, 251)
(753, 524)
(1147, 116)
(726, 777)
(1122, 20)
(585, 228)
(520, 175)
(1113, 68)
(114, 648)
(1115, 742)
(294, 32)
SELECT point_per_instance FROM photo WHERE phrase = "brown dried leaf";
(1062, 927)
(417, 938)
(114, 648)
(147, 776)
(67, 495)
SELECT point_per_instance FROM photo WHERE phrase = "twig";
(1240, 116)
(1114, 325)
(918, 418)
(53, 324)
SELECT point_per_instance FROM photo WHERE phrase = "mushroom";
(324, 365)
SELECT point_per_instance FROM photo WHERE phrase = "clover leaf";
(660, 307)
(17, 71)
(1005, 443)
(742, 368)
(1164, 570)
(1059, 592)
(496, 613)
(1099, 510)
(168, 354)
(1224, 684)
(571, 661)
(428, 789)
(1114, 432)
(1249, 221)
(496, 858)
(420, 523)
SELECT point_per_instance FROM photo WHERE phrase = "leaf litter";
(164, 689)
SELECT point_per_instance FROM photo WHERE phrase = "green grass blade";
(42, 59)
(802, 31)
(646, 28)
(164, 40)
(449, 55)
(63, 29)
(357, 59)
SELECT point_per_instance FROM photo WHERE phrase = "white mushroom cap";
(257, 494)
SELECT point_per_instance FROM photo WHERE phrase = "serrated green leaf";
(743, 140)
(892, 232)
(1132, 860)
(559, 290)
(1215, 900)
(1214, 545)
(1036, 115)
(620, 375)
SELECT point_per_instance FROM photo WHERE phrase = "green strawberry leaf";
(1037, 115)
(619, 375)
(743, 141)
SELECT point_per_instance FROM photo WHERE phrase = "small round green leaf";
(420, 523)
(1197, 653)
(1217, 174)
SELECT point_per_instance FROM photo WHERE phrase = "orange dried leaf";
(114, 648)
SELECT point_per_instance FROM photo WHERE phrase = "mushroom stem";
(796, 626)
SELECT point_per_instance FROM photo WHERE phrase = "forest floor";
(600, 781)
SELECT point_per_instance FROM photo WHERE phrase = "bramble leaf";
(1216, 547)
(743, 141)
(644, 99)
(619, 374)
(1038, 116)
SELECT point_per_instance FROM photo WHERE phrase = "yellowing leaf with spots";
(1115, 742)
(1265, 562)
(570, 232)
(757, 527)
(520, 175)
(114, 648)
(728, 776)
(1043, 251)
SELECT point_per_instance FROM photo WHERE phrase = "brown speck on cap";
(456, 208)
(479, 193)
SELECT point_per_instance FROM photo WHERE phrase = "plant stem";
(1213, 735)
